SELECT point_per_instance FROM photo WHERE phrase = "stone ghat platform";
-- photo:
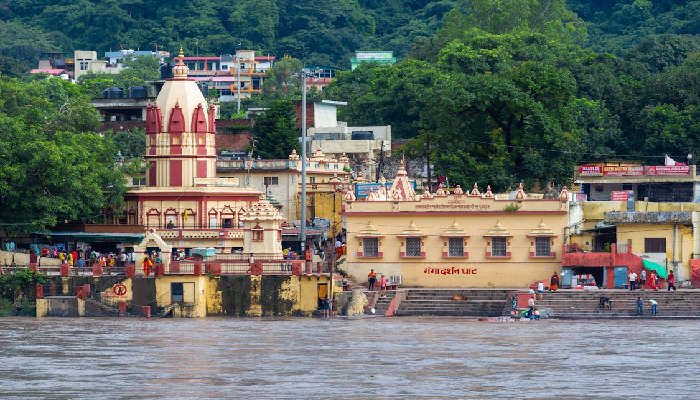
(565, 304)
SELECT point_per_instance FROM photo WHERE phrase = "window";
(258, 235)
(176, 292)
(138, 181)
(654, 245)
(271, 180)
(498, 247)
(456, 247)
(413, 247)
(542, 248)
(370, 247)
(227, 223)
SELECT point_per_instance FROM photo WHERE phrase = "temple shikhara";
(183, 201)
(453, 239)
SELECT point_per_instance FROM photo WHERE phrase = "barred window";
(370, 247)
(413, 247)
(542, 248)
(498, 247)
(456, 247)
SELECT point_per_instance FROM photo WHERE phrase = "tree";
(275, 133)
(283, 80)
(54, 167)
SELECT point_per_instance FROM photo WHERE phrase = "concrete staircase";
(383, 302)
(585, 304)
(456, 302)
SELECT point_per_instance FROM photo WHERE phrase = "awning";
(94, 237)
(652, 266)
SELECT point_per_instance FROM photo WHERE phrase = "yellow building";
(453, 240)
(280, 180)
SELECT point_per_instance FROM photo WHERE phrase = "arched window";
(228, 217)
(189, 218)
(153, 218)
(171, 218)
(213, 218)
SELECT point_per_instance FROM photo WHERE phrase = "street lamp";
(303, 73)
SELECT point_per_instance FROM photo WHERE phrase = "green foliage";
(130, 144)
(512, 207)
(283, 80)
(22, 281)
(54, 166)
(275, 133)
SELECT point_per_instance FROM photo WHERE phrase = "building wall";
(475, 270)
(196, 306)
(678, 254)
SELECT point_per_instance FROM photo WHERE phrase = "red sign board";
(620, 195)
(668, 170)
(590, 170)
(623, 170)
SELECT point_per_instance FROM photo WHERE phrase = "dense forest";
(491, 90)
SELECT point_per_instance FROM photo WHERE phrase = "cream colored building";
(86, 61)
(454, 240)
(183, 202)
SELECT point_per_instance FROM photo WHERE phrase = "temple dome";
(182, 91)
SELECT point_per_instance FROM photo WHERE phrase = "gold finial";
(181, 56)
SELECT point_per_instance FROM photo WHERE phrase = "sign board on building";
(668, 170)
(621, 195)
(374, 55)
(590, 170)
(623, 170)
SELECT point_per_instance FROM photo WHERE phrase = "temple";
(183, 202)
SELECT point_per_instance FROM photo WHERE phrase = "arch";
(171, 215)
(191, 220)
(153, 218)
(213, 218)
(228, 217)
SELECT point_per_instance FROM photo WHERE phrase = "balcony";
(194, 233)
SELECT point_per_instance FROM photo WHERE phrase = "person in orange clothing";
(147, 263)
(371, 279)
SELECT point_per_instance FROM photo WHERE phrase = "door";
(565, 278)
(176, 292)
(620, 277)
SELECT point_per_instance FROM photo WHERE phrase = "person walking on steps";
(654, 307)
(671, 281)
(643, 278)
(371, 279)
(640, 306)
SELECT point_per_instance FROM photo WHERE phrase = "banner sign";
(623, 170)
(590, 170)
(668, 170)
(620, 195)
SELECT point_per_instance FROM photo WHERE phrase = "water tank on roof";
(362, 135)
(138, 92)
(113, 93)
(166, 71)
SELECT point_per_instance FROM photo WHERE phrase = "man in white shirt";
(633, 280)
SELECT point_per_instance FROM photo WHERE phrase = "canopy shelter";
(658, 268)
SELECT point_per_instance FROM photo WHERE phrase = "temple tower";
(180, 133)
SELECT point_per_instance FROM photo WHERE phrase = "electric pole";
(303, 164)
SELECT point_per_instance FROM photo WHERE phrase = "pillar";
(255, 309)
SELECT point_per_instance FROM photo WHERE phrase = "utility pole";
(238, 84)
(303, 164)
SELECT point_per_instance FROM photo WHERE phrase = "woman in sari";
(554, 282)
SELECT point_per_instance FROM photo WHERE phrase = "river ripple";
(377, 358)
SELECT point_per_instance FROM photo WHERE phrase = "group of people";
(640, 306)
(650, 280)
(372, 281)
(89, 258)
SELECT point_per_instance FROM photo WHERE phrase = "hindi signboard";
(668, 170)
(623, 170)
(590, 170)
(620, 195)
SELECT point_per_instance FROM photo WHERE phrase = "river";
(368, 358)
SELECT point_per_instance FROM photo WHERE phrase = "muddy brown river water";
(370, 358)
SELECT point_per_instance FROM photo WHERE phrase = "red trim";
(212, 118)
(403, 255)
(175, 172)
(199, 121)
(177, 120)
(507, 256)
(368, 213)
(201, 168)
(152, 175)
(536, 236)
(171, 195)
(179, 156)
(445, 254)
(552, 254)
